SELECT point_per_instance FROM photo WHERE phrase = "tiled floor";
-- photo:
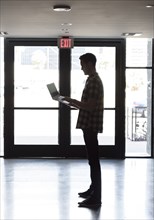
(46, 189)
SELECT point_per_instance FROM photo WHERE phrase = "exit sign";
(65, 43)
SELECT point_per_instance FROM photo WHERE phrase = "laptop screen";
(52, 89)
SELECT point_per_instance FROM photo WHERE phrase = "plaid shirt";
(93, 90)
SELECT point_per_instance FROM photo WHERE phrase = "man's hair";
(88, 57)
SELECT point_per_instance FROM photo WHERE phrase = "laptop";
(55, 94)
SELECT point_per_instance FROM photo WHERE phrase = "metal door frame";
(63, 149)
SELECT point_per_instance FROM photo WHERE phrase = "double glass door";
(38, 126)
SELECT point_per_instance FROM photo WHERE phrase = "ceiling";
(89, 18)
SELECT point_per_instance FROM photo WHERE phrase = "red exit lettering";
(65, 43)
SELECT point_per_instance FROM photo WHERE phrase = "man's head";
(88, 63)
(88, 57)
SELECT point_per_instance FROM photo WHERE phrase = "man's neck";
(93, 72)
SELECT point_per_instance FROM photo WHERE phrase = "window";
(138, 96)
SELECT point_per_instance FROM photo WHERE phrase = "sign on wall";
(65, 43)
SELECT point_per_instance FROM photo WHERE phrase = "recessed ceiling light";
(137, 34)
(66, 24)
(3, 33)
(125, 34)
(61, 8)
(131, 34)
(149, 6)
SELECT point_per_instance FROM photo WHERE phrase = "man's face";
(84, 67)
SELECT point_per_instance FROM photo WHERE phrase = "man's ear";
(90, 65)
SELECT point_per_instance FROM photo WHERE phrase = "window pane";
(34, 68)
(108, 136)
(76, 134)
(36, 127)
(105, 138)
(137, 85)
(138, 112)
(138, 52)
(105, 68)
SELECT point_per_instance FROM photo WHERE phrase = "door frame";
(63, 149)
(118, 150)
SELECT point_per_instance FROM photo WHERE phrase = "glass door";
(35, 113)
(31, 115)
(110, 67)
(37, 126)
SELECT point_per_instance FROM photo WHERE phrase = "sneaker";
(90, 202)
(85, 194)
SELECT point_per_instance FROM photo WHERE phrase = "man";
(90, 120)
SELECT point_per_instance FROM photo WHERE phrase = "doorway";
(37, 126)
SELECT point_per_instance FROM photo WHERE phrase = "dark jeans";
(91, 142)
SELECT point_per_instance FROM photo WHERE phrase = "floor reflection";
(44, 189)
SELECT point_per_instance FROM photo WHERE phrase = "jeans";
(92, 148)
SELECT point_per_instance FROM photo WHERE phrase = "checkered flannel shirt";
(93, 90)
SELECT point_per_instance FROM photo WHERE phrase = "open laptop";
(55, 94)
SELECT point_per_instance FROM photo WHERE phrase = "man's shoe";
(85, 194)
(90, 202)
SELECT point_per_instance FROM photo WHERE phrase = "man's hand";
(68, 99)
(90, 105)
(72, 102)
